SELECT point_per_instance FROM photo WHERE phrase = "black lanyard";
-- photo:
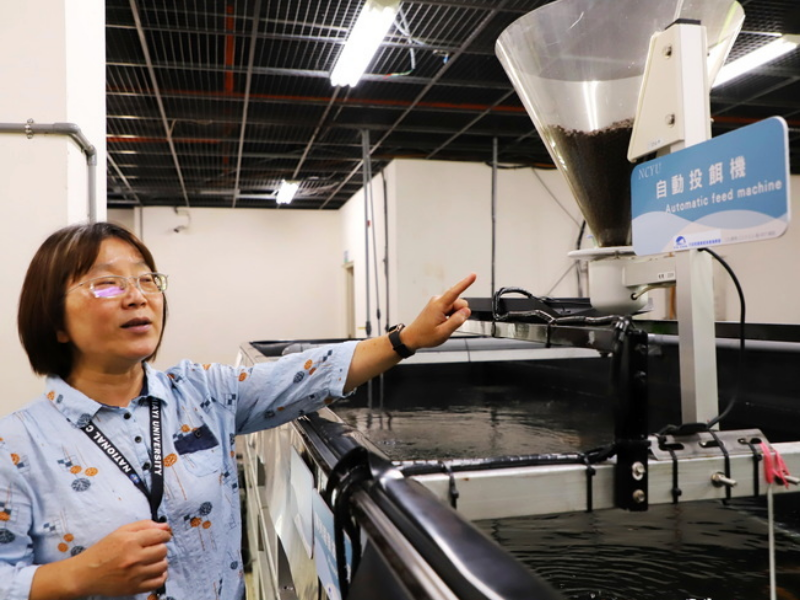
(156, 493)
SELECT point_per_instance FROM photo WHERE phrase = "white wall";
(359, 242)
(768, 273)
(53, 71)
(244, 275)
(440, 230)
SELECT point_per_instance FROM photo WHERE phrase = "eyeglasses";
(114, 285)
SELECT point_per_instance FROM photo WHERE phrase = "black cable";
(489, 163)
(426, 467)
(756, 459)
(740, 369)
(582, 230)
(541, 314)
(590, 473)
(578, 243)
(726, 455)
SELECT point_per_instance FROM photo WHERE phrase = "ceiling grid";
(214, 102)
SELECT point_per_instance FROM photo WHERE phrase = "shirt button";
(146, 466)
(127, 415)
(137, 439)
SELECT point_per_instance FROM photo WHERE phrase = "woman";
(121, 479)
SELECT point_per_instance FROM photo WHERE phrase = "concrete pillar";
(52, 65)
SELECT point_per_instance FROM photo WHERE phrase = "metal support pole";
(630, 390)
(366, 171)
(494, 210)
(698, 350)
(366, 177)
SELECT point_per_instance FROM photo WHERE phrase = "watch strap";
(397, 344)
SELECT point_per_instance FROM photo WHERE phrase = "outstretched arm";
(435, 324)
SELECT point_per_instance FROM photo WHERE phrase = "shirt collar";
(79, 409)
(154, 387)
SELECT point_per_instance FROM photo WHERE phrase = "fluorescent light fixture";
(371, 27)
(775, 49)
(287, 191)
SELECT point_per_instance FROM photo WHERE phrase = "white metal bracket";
(674, 107)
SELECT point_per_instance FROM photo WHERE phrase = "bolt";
(668, 51)
(638, 470)
(670, 119)
(639, 496)
(719, 479)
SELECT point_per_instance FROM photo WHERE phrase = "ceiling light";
(371, 27)
(287, 191)
(764, 54)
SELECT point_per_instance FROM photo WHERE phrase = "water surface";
(671, 552)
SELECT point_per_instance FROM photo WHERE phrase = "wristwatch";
(397, 344)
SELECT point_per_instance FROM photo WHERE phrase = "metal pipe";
(494, 210)
(366, 162)
(367, 165)
(248, 83)
(74, 132)
(386, 241)
(732, 344)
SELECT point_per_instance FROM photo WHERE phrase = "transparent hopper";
(577, 65)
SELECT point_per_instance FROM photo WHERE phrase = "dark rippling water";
(671, 552)
(692, 550)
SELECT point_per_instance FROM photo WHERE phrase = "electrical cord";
(689, 428)
(742, 313)
(578, 243)
(424, 467)
(541, 314)
(406, 31)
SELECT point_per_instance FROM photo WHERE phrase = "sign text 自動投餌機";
(731, 189)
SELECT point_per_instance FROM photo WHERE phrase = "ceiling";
(211, 103)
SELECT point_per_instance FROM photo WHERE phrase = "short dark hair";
(66, 255)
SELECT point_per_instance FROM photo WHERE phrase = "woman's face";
(112, 335)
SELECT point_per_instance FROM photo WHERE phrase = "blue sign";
(733, 188)
(325, 549)
(302, 481)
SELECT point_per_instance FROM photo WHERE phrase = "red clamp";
(774, 467)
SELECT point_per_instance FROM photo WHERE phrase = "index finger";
(153, 537)
(142, 525)
(454, 292)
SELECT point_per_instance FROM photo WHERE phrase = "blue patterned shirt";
(59, 494)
